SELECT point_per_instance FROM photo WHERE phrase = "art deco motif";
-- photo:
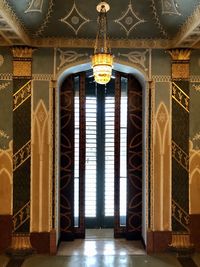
(180, 215)
(22, 155)
(74, 19)
(4, 85)
(180, 156)
(68, 56)
(14, 26)
(129, 20)
(5, 76)
(88, 43)
(161, 78)
(3, 134)
(42, 77)
(180, 97)
(194, 177)
(22, 52)
(22, 68)
(40, 182)
(169, 7)
(6, 180)
(21, 242)
(21, 216)
(196, 87)
(35, 6)
(22, 95)
(1, 60)
(187, 36)
(194, 78)
(46, 20)
(157, 21)
(180, 54)
(162, 169)
(196, 137)
(137, 57)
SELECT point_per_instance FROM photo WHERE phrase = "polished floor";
(158, 260)
(100, 242)
(100, 249)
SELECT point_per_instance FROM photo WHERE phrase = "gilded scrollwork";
(3, 134)
(21, 95)
(180, 97)
(4, 85)
(180, 156)
(21, 216)
(22, 155)
(180, 215)
(68, 56)
(137, 57)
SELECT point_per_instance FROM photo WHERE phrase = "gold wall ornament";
(21, 216)
(180, 96)
(22, 52)
(180, 54)
(22, 95)
(22, 68)
(180, 71)
(6, 180)
(180, 156)
(180, 215)
(180, 63)
(22, 155)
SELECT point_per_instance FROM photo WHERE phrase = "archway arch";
(142, 78)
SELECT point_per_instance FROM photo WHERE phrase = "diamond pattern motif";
(129, 20)
(74, 19)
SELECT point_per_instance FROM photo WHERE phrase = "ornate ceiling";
(72, 23)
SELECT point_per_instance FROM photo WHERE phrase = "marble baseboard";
(5, 232)
(195, 231)
(158, 241)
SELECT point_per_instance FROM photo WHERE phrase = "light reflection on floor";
(101, 247)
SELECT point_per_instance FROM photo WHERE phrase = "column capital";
(180, 63)
(22, 52)
(180, 54)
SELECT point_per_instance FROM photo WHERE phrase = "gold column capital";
(23, 52)
(180, 63)
(180, 54)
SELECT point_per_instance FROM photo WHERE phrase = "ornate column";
(22, 86)
(180, 147)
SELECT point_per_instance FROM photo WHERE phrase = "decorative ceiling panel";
(77, 20)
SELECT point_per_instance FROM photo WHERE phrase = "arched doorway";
(133, 225)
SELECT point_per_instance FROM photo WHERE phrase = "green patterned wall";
(6, 86)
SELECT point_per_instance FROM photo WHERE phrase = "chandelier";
(102, 59)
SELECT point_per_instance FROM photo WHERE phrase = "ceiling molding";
(89, 43)
(189, 34)
(11, 26)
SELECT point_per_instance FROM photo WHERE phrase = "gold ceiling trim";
(188, 35)
(9, 16)
(89, 43)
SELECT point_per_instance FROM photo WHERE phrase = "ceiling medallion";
(169, 7)
(74, 19)
(129, 20)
